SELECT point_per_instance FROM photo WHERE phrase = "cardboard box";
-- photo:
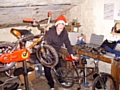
(77, 24)
(72, 28)
(68, 28)
(31, 75)
(39, 69)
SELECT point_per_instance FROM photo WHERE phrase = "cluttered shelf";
(116, 28)
(103, 58)
(73, 26)
(114, 33)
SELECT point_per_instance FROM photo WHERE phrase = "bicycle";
(11, 53)
(78, 74)
(43, 51)
(11, 84)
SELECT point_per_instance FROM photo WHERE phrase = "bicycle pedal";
(78, 88)
(1, 82)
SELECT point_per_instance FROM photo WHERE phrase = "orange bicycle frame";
(16, 56)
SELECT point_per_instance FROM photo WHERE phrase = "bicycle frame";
(19, 55)
(82, 69)
(40, 37)
(22, 53)
(78, 73)
(35, 42)
(19, 52)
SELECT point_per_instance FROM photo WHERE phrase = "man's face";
(60, 27)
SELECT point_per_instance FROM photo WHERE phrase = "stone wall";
(84, 13)
(13, 11)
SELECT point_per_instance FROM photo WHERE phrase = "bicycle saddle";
(20, 32)
(20, 70)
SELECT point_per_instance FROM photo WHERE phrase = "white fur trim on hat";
(60, 21)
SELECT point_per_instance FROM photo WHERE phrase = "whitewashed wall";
(13, 11)
(84, 13)
(91, 16)
(103, 26)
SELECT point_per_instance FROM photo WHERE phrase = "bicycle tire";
(4, 46)
(48, 57)
(10, 72)
(10, 84)
(64, 75)
(104, 82)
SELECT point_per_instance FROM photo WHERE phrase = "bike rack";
(84, 62)
(25, 75)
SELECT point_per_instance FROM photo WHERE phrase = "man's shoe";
(66, 83)
(52, 88)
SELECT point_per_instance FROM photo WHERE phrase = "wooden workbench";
(114, 68)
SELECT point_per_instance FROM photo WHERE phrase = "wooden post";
(115, 73)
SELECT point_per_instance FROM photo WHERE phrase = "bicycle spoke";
(104, 82)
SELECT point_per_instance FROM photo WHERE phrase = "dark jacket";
(57, 40)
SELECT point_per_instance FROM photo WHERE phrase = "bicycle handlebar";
(37, 23)
(69, 58)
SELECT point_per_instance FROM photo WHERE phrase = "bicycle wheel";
(10, 72)
(47, 56)
(64, 77)
(6, 47)
(104, 81)
(11, 84)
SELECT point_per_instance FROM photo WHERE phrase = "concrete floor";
(39, 83)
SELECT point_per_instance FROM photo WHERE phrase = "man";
(56, 36)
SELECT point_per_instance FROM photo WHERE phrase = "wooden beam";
(115, 73)
(92, 55)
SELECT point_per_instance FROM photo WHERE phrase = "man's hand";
(74, 57)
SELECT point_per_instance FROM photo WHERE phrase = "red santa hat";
(61, 19)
